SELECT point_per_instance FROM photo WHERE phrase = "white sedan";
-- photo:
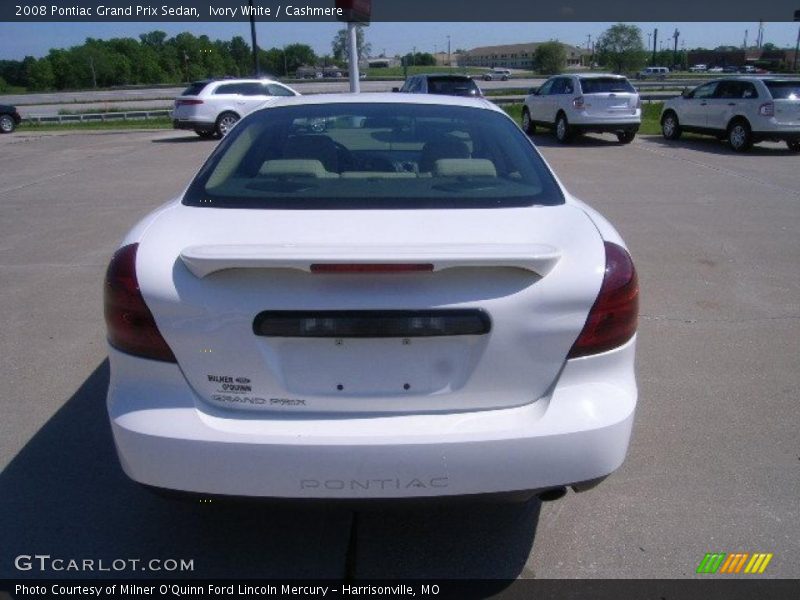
(372, 296)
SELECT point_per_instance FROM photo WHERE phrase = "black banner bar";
(731, 588)
(399, 10)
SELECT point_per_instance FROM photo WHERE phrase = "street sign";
(355, 11)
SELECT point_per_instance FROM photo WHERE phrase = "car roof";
(387, 98)
(762, 77)
(594, 75)
(244, 80)
(443, 75)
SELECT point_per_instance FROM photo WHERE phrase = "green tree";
(550, 58)
(298, 55)
(340, 46)
(424, 59)
(39, 74)
(620, 47)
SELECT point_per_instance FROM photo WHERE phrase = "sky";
(18, 40)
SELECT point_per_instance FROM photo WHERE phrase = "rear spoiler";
(204, 260)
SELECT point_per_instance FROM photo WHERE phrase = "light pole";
(256, 69)
(797, 43)
(449, 63)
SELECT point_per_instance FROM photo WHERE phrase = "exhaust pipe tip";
(553, 494)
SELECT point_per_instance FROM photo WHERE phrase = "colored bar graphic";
(726, 563)
(758, 563)
(711, 562)
(734, 563)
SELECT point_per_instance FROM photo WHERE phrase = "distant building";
(517, 56)
(769, 59)
(445, 60)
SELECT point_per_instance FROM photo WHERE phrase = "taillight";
(614, 316)
(578, 102)
(638, 102)
(181, 102)
(130, 324)
(767, 109)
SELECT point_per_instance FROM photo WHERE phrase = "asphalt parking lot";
(714, 463)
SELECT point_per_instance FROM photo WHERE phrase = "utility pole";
(588, 42)
(256, 69)
(797, 44)
(655, 45)
(352, 35)
(449, 63)
(675, 35)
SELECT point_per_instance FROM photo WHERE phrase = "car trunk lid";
(255, 327)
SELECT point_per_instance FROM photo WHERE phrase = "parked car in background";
(730, 69)
(438, 83)
(653, 73)
(272, 334)
(9, 118)
(699, 68)
(571, 104)
(213, 107)
(716, 70)
(743, 110)
(497, 75)
(747, 69)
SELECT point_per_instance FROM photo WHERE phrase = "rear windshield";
(605, 85)
(452, 86)
(784, 90)
(194, 88)
(393, 155)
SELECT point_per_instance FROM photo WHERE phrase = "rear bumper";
(167, 438)
(192, 125)
(594, 125)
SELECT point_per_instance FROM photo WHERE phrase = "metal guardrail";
(132, 115)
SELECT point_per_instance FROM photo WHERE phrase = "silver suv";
(572, 104)
(213, 107)
(743, 110)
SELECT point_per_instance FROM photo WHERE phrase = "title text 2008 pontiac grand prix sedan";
(373, 296)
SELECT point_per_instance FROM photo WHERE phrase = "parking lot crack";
(720, 320)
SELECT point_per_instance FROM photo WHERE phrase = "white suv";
(572, 104)
(501, 74)
(743, 110)
(212, 107)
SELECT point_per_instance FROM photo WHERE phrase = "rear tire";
(626, 137)
(739, 136)
(527, 125)
(225, 123)
(793, 145)
(563, 132)
(670, 127)
(7, 124)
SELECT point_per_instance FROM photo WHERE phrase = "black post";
(256, 69)
(655, 45)
(797, 44)
(675, 52)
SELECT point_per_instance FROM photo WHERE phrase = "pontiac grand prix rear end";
(373, 296)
